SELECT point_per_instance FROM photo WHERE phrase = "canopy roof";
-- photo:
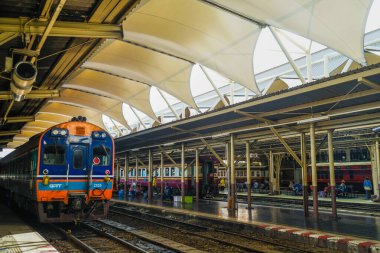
(158, 43)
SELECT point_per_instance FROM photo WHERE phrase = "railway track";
(246, 243)
(91, 239)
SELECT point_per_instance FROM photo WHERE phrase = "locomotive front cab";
(75, 172)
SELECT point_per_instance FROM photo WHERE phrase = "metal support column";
(126, 174)
(248, 162)
(117, 173)
(305, 189)
(233, 176)
(150, 171)
(137, 170)
(271, 171)
(332, 173)
(377, 153)
(314, 170)
(228, 159)
(162, 176)
(196, 174)
(183, 169)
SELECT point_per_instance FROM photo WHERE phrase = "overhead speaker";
(23, 77)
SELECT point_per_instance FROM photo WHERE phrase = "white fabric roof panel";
(59, 118)
(110, 107)
(197, 32)
(144, 65)
(92, 116)
(130, 92)
(338, 24)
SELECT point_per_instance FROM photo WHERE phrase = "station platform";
(16, 236)
(356, 205)
(351, 232)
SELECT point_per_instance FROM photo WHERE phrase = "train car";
(63, 174)
(171, 176)
(353, 174)
(259, 173)
(351, 165)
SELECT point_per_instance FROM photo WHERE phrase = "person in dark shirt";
(367, 187)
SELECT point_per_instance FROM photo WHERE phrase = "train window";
(54, 154)
(167, 172)
(172, 173)
(78, 159)
(103, 153)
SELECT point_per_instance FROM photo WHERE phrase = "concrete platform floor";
(348, 224)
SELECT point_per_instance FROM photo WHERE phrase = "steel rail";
(249, 249)
(208, 229)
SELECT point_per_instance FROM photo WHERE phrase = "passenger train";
(63, 174)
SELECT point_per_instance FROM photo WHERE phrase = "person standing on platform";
(367, 187)
(222, 184)
(154, 184)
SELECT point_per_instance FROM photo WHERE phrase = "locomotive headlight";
(45, 180)
(99, 135)
(58, 132)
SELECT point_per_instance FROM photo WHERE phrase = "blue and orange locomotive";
(62, 174)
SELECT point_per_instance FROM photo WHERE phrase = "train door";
(78, 162)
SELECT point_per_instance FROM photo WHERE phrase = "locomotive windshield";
(54, 154)
(103, 153)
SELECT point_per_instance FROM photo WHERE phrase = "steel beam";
(5, 140)
(138, 159)
(214, 152)
(266, 121)
(19, 119)
(10, 132)
(287, 147)
(34, 94)
(369, 83)
(61, 28)
(168, 156)
(7, 36)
